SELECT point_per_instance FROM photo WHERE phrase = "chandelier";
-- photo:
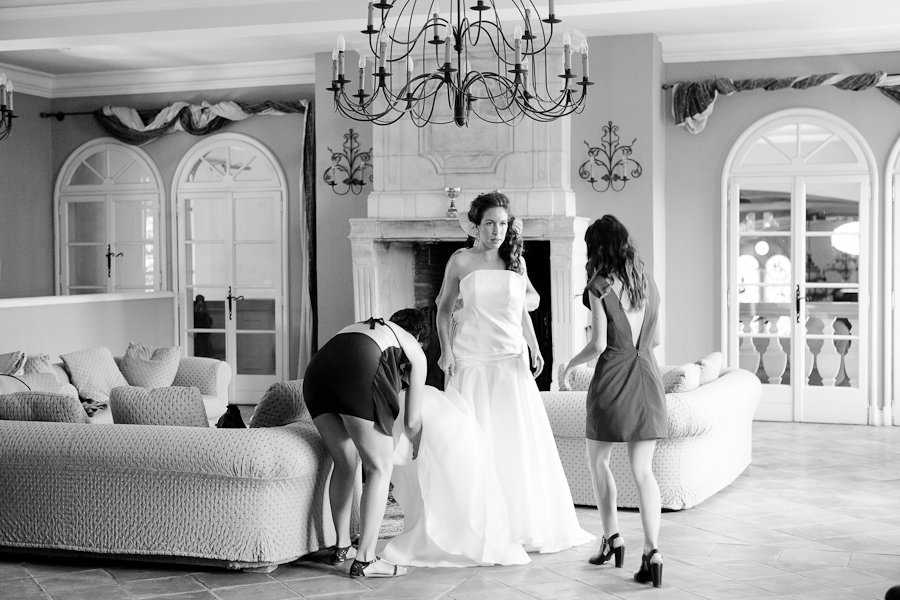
(518, 79)
(6, 106)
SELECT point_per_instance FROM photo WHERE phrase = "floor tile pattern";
(816, 516)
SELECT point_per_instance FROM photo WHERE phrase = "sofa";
(212, 377)
(709, 443)
(242, 498)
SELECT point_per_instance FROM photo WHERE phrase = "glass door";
(800, 284)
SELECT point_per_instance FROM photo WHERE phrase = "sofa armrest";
(211, 376)
(734, 393)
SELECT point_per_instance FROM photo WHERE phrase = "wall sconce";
(611, 161)
(6, 106)
(347, 172)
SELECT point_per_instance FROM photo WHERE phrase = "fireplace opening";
(430, 260)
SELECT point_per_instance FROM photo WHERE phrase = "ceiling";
(65, 48)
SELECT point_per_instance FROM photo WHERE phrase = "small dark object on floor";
(231, 419)
(893, 593)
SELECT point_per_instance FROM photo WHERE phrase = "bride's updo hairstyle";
(611, 251)
(512, 246)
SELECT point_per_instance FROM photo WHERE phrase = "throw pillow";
(94, 373)
(41, 406)
(710, 367)
(181, 406)
(41, 382)
(11, 363)
(146, 367)
(37, 363)
(681, 379)
(280, 405)
(10, 384)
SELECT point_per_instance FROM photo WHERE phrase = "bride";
(502, 482)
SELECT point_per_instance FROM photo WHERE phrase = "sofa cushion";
(37, 363)
(11, 383)
(41, 382)
(94, 373)
(147, 367)
(41, 406)
(579, 378)
(11, 363)
(280, 405)
(680, 379)
(710, 367)
(161, 406)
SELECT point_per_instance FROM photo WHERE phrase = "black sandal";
(339, 555)
(649, 571)
(602, 557)
(358, 569)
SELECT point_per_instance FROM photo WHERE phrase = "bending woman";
(352, 388)
(625, 399)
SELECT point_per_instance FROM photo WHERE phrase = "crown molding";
(780, 44)
(148, 81)
(106, 7)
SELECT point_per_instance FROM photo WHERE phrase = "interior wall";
(26, 206)
(694, 166)
(333, 211)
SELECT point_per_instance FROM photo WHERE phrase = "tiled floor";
(816, 516)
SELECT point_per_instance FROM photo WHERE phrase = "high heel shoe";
(601, 557)
(650, 571)
(339, 555)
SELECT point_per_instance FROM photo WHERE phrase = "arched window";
(109, 221)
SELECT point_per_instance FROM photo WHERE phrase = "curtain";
(308, 328)
(137, 128)
(692, 102)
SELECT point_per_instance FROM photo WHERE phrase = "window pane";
(255, 314)
(249, 167)
(86, 221)
(135, 220)
(136, 268)
(256, 265)
(205, 264)
(134, 173)
(210, 345)
(210, 168)
(85, 175)
(256, 219)
(255, 354)
(87, 266)
(777, 147)
(765, 207)
(205, 218)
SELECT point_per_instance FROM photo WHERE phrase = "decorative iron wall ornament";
(347, 172)
(610, 161)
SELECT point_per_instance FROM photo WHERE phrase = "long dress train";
(454, 514)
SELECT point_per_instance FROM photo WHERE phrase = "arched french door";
(891, 409)
(108, 221)
(229, 195)
(799, 188)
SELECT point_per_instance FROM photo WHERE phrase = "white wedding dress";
(488, 483)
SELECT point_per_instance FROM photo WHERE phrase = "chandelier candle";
(501, 71)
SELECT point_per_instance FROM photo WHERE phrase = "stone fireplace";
(530, 163)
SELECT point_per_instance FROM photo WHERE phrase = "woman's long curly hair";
(611, 251)
(513, 246)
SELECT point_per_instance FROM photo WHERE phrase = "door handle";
(232, 299)
(109, 256)
(798, 303)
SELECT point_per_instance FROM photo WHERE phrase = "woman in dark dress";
(351, 388)
(625, 400)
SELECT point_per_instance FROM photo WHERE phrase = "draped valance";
(135, 127)
(692, 102)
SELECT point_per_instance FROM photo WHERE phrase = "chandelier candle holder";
(610, 163)
(6, 106)
(347, 172)
(518, 82)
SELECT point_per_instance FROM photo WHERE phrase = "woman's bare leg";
(640, 455)
(604, 487)
(346, 459)
(377, 453)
